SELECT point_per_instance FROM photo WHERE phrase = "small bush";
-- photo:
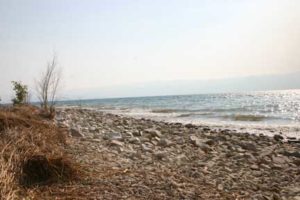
(21, 93)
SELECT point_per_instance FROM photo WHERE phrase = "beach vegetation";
(32, 153)
(21, 93)
(47, 86)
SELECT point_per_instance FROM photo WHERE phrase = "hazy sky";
(106, 43)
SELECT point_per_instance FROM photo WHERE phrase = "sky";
(104, 45)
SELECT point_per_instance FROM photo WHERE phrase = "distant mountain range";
(243, 84)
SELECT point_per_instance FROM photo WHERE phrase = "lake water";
(251, 109)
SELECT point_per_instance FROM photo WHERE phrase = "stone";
(160, 155)
(128, 135)
(198, 143)
(146, 147)
(92, 129)
(144, 139)
(294, 190)
(154, 133)
(297, 162)
(137, 133)
(248, 146)
(267, 151)
(164, 142)
(295, 154)
(280, 160)
(278, 137)
(293, 141)
(194, 139)
(220, 187)
(76, 132)
(63, 125)
(134, 140)
(276, 197)
(206, 129)
(254, 167)
(181, 159)
(190, 126)
(116, 143)
(95, 140)
(60, 118)
(113, 136)
(210, 142)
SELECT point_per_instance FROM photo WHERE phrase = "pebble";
(76, 132)
(116, 143)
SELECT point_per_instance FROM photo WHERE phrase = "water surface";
(252, 109)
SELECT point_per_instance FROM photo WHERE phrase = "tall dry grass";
(32, 152)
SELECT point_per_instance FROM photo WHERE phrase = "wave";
(196, 114)
(204, 110)
(168, 110)
(186, 115)
(252, 118)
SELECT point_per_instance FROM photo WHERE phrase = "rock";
(63, 124)
(248, 146)
(206, 129)
(210, 163)
(210, 142)
(128, 135)
(220, 187)
(113, 136)
(181, 159)
(198, 143)
(95, 140)
(297, 162)
(137, 133)
(60, 118)
(295, 154)
(164, 142)
(267, 151)
(116, 143)
(254, 167)
(154, 133)
(92, 129)
(120, 149)
(278, 137)
(280, 160)
(194, 139)
(146, 147)
(190, 126)
(293, 141)
(144, 139)
(294, 190)
(134, 140)
(276, 197)
(160, 155)
(76, 132)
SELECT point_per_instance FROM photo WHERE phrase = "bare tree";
(48, 84)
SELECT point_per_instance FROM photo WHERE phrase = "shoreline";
(288, 132)
(183, 161)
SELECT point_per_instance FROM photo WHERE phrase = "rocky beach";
(144, 159)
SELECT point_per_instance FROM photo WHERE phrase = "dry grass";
(32, 152)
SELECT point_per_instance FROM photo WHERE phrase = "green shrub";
(21, 93)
